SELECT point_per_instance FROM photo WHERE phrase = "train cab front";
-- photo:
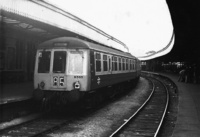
(60, 75)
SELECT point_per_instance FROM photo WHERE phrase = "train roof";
(71, 42)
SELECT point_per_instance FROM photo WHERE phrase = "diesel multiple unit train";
(67, 69)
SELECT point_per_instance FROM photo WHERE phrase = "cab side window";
(44, 58)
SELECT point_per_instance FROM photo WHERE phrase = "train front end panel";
(61, 70)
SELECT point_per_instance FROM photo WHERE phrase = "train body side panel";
(101, 79)
(111, 79)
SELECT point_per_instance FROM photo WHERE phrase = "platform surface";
(188, 120)
(15, 92)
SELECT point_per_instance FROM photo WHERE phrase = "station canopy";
(45, 21)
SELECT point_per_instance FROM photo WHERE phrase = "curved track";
(148, 119)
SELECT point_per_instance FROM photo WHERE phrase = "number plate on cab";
(58, 81)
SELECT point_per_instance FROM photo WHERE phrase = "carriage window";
(44, 61)
(123, 64)
(105, 63)
(133, 64)
(109, 64)
(120, 63)
(132, 67)
(115, 62)
(98, 62)
(126, 64)
(59, 62)
(113, 66)
(76, 62)
(130, 64)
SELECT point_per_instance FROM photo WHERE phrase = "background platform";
(15, 92)
(188, 119)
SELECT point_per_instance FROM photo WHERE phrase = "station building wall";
(17, 57)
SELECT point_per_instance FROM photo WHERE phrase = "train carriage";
(70, 67)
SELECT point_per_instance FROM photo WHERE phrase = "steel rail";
(143, 106)
(166, 106)
(127, 120)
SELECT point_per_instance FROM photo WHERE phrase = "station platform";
(188, 119)
(15, 92)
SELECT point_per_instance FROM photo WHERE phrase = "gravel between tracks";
(104, 120)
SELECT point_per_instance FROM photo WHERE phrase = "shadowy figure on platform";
(181, 75)
(194, 74)
(187, 72)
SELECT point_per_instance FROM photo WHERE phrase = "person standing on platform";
(195, 74)
(181, 75)
(187, 73)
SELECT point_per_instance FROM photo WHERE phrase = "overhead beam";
(69, 25)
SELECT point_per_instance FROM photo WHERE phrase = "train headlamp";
(42, 84)
(77, 85)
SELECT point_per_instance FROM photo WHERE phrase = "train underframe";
(54, 99)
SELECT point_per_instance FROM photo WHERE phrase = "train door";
(77, 69)
(92, 68)
(58, 78)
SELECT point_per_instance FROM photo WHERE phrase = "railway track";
(36, 126)
(15, 109)
(148, 119)
(49, 124)
(41, 124)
